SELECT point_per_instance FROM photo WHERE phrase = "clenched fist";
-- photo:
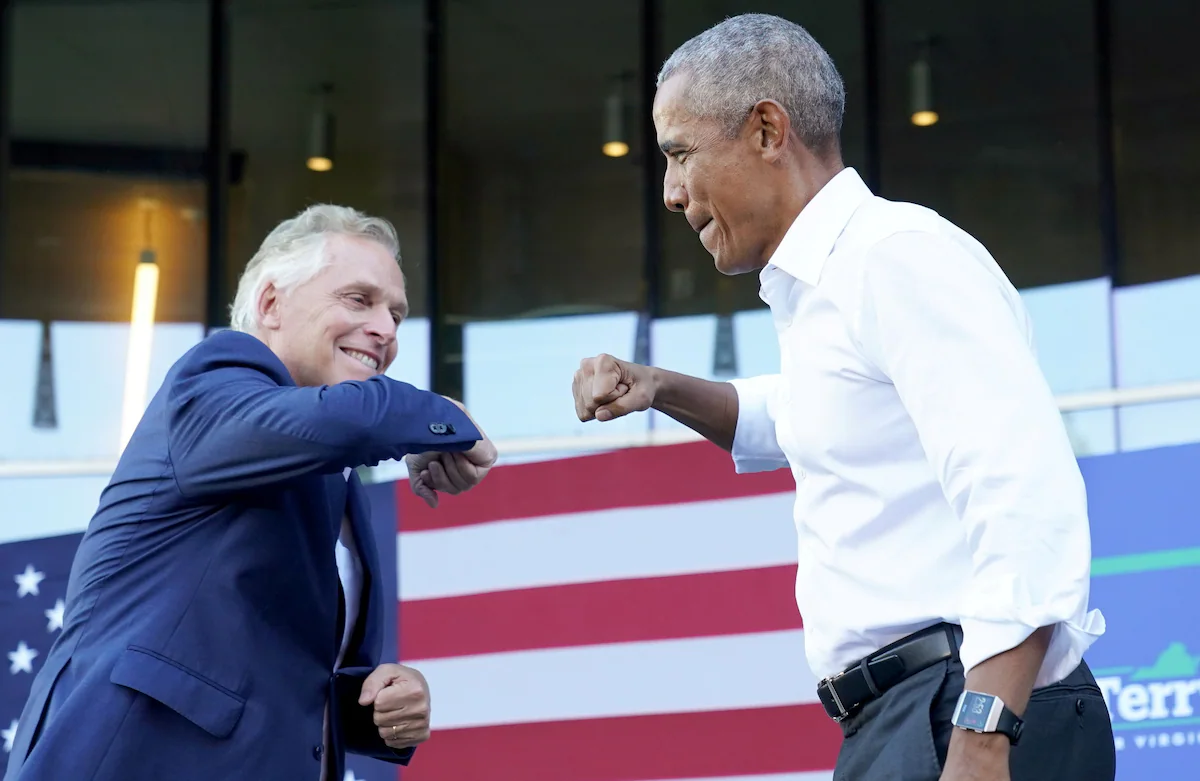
(606, 388)
(400, 696)
(450, 472)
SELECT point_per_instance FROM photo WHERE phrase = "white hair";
(754, 57)
(294, 252)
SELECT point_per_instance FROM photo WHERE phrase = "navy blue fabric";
(200, 630)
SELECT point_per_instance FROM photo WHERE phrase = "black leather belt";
(843, 694)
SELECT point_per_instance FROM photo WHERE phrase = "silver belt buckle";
(837, 701)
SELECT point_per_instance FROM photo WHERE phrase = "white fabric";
(350, 573)
(935, 480)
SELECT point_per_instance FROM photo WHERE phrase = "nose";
(381, 325)
(674, 193)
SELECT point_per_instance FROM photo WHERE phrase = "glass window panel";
(537, 219)
(1156, 117)
(1155, 328)
(517, 374)
(363, 65)
(109, 119)
(1013, 156)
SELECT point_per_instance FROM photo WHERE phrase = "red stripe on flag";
(616, 611)
(787, 739)
(670, 474)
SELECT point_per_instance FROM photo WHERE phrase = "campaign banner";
(1146, 579)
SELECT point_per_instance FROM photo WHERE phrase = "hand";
(401, 698)
(976, 756)
(450, 473)
(606, 388)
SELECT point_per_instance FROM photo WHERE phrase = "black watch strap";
(1011, 725)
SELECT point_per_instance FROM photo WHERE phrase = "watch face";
(975, 711)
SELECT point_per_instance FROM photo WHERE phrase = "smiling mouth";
(363, 358)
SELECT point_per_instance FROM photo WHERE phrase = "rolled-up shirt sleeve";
(755, 447)
(952, 337)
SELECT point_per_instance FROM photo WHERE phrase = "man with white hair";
(943, 539)
(224, 612)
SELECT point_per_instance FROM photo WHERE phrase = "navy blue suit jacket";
(201, 626)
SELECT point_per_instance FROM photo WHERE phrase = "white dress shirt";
(350, 573)
(934, 477)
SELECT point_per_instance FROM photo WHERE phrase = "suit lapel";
(366, 641)
(336, 493)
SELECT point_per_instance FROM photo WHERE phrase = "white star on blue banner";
(31, 619)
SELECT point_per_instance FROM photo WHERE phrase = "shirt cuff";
(1000, 618)
(984, 639)
(755, 447)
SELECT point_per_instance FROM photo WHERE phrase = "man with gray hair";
(224, 615)
(943, 539)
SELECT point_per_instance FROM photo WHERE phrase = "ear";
(267, 307)
(772, 128)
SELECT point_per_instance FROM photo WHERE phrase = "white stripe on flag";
(624, 679)
(711, 536)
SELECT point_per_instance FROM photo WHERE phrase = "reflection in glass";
(1156, 118)
(540, 168)
(108, 113)
(327, 106)
(1012, 158)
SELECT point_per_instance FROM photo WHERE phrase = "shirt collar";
(816, 229)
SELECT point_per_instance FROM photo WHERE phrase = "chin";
(733, 266)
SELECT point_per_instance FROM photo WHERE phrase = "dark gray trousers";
(904, 735)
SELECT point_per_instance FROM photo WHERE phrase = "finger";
(422, 491)
(578, 383)
(379, 678)
(439, 481)
(409, 729)
(476, 462)
(458, 471)
(623, 405)
(404, 698)
(405, 736)
(605, 379)
(418, 709)
(416, 462)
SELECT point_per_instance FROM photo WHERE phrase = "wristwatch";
(979, 712)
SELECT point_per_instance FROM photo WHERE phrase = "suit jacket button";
(438, 428)
(318, 752)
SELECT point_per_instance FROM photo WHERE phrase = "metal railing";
(526, 446)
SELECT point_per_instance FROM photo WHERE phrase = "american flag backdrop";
(625, 616)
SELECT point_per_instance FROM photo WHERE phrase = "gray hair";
(754, 57)
(294, 252)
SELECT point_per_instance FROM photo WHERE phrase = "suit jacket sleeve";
(236, 421)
